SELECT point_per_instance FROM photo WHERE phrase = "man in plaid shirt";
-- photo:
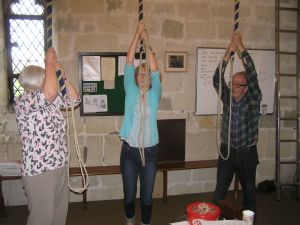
(245, 111)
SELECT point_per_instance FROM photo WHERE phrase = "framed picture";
(175, 61)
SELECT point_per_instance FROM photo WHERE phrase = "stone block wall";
(174, 25)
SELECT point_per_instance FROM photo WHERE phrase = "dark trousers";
(244, 162)
(131, 168)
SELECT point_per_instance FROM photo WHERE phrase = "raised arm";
(150, 54)
(216, 78)
(50, 88)
(251, 74)
(231, 48)
(132, 47)
(152, 60)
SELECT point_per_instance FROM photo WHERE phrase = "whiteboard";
(207, 61)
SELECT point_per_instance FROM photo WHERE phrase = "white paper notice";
(223, 222)
(121, 65)
(94, 103)
(91, 68)
(108, 68)
(180, 223)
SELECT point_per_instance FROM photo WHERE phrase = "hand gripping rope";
(143, 55)
(221, 71)
(63, 90)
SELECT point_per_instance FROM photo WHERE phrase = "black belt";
(238, 148)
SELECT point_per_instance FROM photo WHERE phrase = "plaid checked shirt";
(245, 113)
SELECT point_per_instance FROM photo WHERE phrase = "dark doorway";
(171, 147)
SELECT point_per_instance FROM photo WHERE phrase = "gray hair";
(32, 77)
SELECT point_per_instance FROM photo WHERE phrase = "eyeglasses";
(236, 85)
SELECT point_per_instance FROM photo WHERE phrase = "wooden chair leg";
(165, 186)
(231, 208)
(236, 186)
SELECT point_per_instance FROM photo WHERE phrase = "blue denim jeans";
(243, 162)
(131, 169)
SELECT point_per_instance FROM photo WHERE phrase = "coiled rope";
(203, 209)
(63, 90)
(221, 71)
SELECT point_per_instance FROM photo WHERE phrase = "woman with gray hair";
(44, 148)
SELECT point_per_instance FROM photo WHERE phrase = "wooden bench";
(163, 167)
(109, 170)
(2, 206)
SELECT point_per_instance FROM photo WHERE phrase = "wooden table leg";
(84, 197)
(2, 206)
(165, 186)
(236, 186)
(84, 200)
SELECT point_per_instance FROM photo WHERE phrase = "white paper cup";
(248, 216)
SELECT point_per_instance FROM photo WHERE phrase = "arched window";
(24, 38)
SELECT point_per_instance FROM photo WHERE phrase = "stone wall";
(174, 25)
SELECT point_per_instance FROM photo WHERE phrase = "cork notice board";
(101, 76)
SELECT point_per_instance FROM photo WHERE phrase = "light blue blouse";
(132, 99)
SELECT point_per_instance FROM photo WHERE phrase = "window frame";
(7, 15)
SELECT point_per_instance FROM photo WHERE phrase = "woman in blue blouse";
(139, 130)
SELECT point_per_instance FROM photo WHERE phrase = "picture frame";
(176, 61)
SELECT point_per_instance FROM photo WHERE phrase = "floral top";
(43, 133)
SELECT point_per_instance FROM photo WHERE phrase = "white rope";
(82, 166)
(230, 111)
(85, 149)
(142, 131)
(143, 102)
(236, 27)
(62, 85)
(218, 109)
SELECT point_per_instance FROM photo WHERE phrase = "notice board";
(207, 61)
(101, 76)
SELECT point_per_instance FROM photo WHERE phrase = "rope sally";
(142, 55)
(141, 10)
(142, 106)
(61, 80)
(141, 17)
(49, 23)
(236, 14)
(63, 90)
(221, 71)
